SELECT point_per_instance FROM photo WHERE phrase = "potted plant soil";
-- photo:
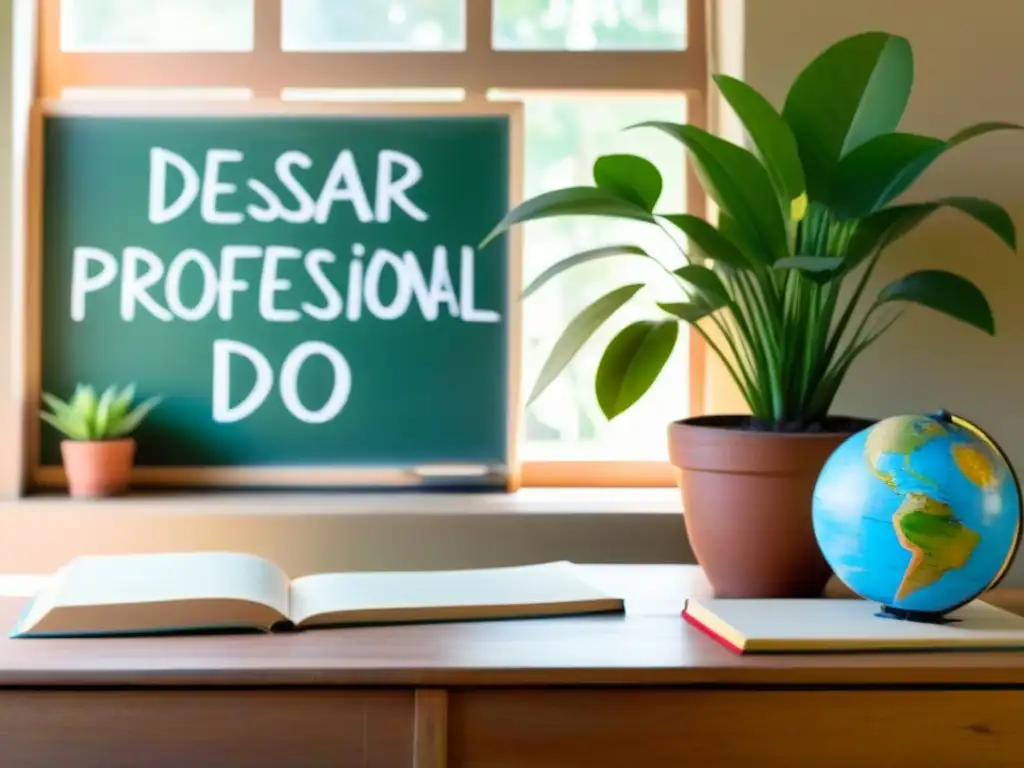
(778, 289)
(99, 451)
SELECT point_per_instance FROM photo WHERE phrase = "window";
(584, 69)
(563, 138)
(564, 25)
(157, 25)
(383, 25)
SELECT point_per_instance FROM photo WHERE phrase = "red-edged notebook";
(830, 625)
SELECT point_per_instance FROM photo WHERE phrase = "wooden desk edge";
(853, 676)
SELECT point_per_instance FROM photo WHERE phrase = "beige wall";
(12, 134)
(969, 67)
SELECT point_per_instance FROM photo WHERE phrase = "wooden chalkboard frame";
(261, 476)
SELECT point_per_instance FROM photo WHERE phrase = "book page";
(160, 592)
(544, 589)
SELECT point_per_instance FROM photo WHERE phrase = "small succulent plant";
(88, 417)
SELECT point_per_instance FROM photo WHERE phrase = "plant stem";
(761, 343)
(725, 361)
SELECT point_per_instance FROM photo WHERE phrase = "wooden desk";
(641, 690)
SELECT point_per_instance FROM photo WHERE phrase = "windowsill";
(531, 501)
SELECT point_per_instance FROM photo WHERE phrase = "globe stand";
(923, 617)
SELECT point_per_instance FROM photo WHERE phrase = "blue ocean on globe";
(918, 513)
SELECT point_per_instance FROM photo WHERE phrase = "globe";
(919, 513)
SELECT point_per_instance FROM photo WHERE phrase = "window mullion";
(479, 16)
(50, 54)
(267, 49)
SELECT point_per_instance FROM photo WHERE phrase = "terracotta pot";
(747, 503)
(97, 468)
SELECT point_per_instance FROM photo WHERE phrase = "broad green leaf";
(632, 362)
(572, 201)
(690, 312)
(577, 332)
(944, 292)
(918, 152)
(771, 135)
(882, 229)
(828, 264)
(630, 177)
(980, 129)
(990, 214)
(751, 252)
(130, 423)
(817, 269)
(580, 258)
(709, 241)
(880, 170)
(852, 92)
(710, 285)
(735, 179)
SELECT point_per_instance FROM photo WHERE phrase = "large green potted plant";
(777, 288)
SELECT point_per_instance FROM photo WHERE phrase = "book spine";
(711, 633)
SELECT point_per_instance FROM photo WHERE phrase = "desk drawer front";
(111, 729)
(548, 728)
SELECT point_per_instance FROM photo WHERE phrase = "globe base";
(924, 617)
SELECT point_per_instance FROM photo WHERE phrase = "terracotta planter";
(98, 468)
(747, 503)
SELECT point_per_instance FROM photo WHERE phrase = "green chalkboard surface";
(304, 290)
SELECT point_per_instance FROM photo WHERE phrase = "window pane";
(157, 25)
(563, 138)
(373, 94)
(380, 25)
(586, 25)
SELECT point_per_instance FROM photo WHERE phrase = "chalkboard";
(304, 290)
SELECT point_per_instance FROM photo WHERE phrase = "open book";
(818, 625)
(167, 593)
